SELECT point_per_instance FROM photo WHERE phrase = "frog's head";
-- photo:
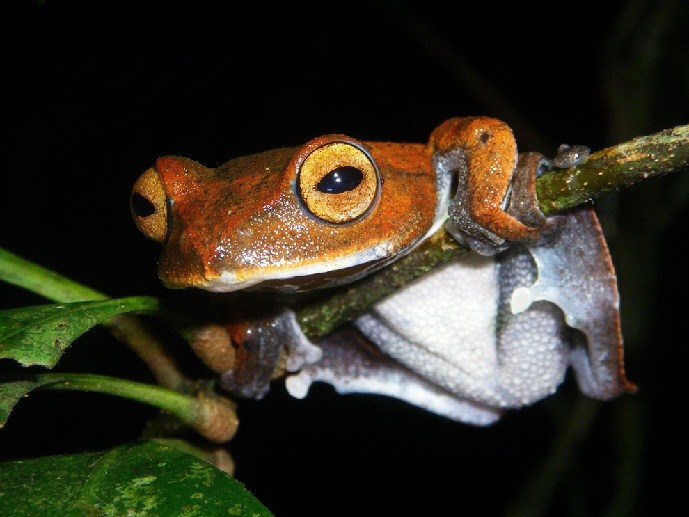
(295, 218)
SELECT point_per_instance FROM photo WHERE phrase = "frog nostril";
(142, 206)
(340, 179)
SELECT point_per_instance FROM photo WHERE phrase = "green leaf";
(12, 392)
(39, 335)
(140, 479)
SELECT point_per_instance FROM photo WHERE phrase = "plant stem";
(37, 279)
(615, 167)
(214, 418)
(176, 403)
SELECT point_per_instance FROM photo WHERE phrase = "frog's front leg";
(249, 353)
(495, 203)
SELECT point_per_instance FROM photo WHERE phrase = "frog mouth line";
(312, 276)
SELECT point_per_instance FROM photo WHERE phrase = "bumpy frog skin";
(493, 330)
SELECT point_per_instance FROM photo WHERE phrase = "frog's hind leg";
(522, 199)
(352, 364)
(532, 339)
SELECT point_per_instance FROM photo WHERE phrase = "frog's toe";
(570, 156)
(523, 201)
(474, 236)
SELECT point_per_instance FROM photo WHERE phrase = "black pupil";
(141, 206)
(340, 179)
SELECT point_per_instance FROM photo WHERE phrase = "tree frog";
(494, 330)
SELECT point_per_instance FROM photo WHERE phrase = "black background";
(92, 92)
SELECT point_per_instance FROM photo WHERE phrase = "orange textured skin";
(491, 153)
(244, 216)
(246, 219)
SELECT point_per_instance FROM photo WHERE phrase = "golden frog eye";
(148, 205)
(338, 182)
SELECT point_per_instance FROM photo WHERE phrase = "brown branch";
(614, 168)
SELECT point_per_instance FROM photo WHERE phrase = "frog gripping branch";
(489, 331)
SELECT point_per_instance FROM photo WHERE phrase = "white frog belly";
(447, 328)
